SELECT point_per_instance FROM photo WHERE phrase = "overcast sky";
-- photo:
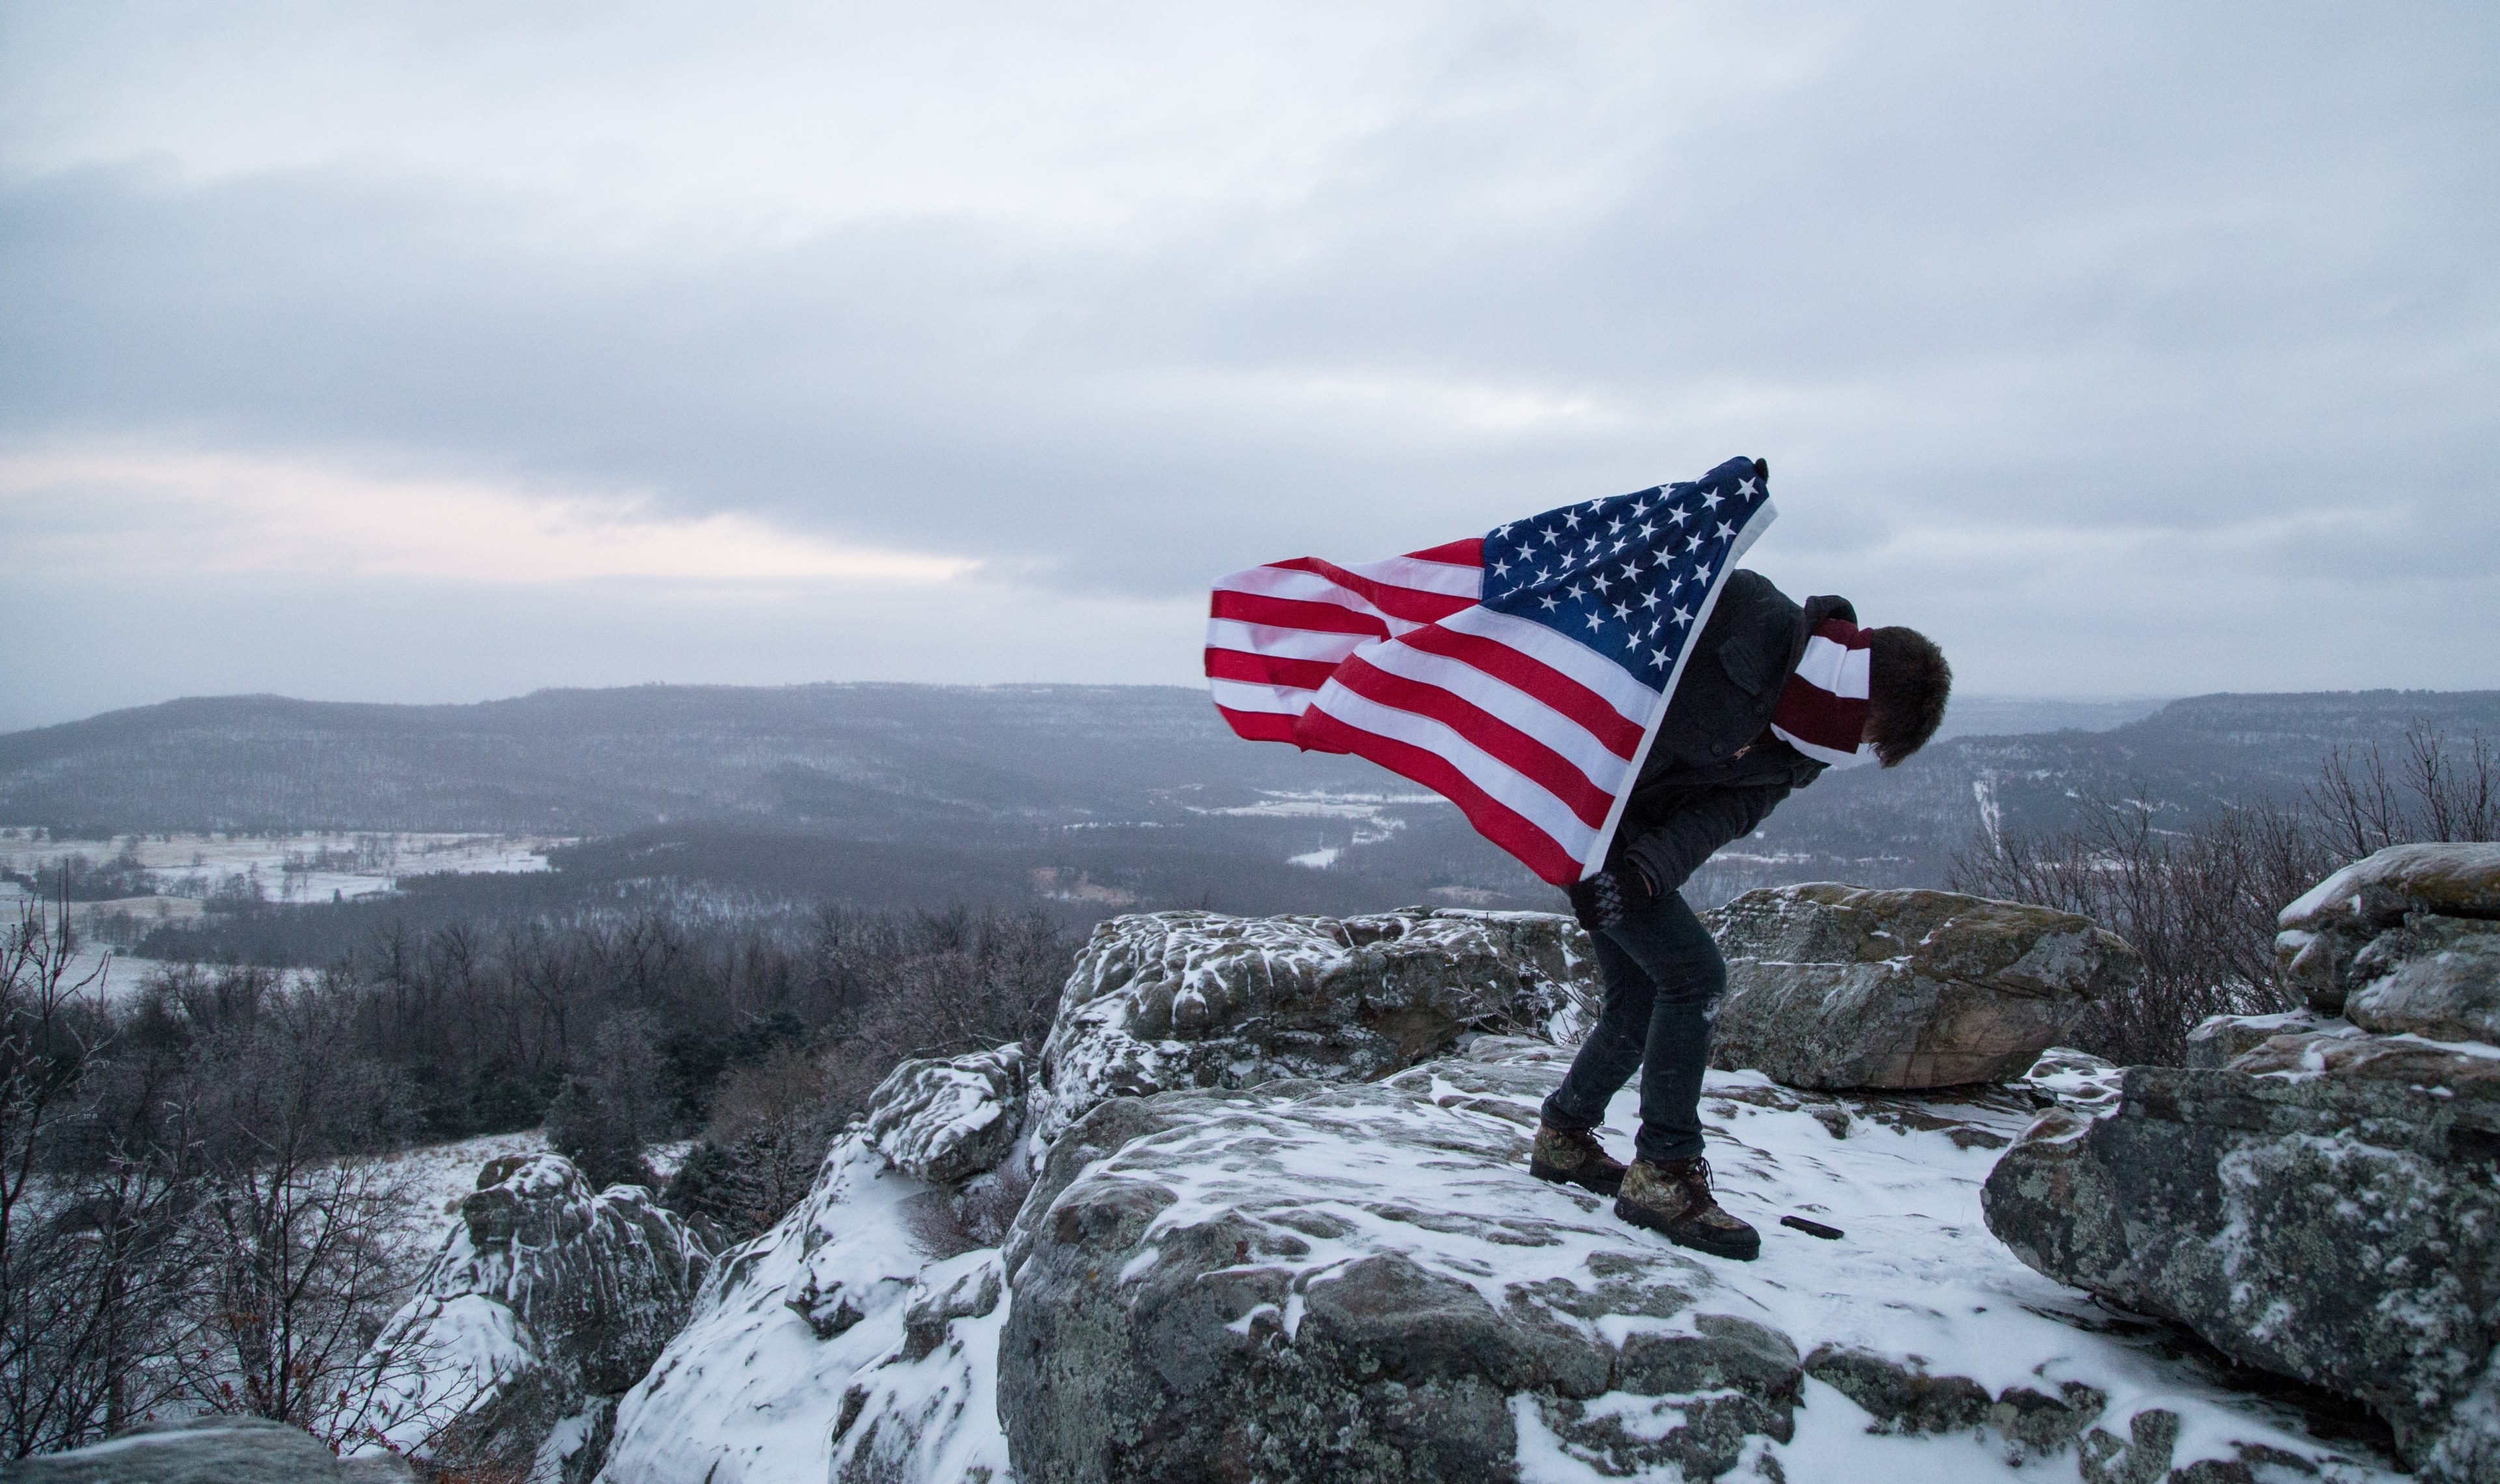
(446, 350)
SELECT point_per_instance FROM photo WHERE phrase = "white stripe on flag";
(1444, 578)
(1507, 786)
(1631, 699)
(1504, 703)
(1311, 587)
(1294, 582)
(1283, 643)
(1250, 696)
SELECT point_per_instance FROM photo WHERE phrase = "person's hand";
(1603, 899)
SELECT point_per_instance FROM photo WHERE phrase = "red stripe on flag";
(1269, 669)
(1538, 763)
(1457, 553)
(1259, 726)
(1294, 614)
(1493, 819)
(1413, 603)
(1584, 706)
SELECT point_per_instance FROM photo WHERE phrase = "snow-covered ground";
(436, 1177)
(1918, 1274)
(1369, 815)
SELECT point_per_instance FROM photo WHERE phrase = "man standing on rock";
(1773, 694)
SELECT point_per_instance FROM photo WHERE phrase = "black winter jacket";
(1708, 779)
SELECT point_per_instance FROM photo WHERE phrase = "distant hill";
(876, 758)
(1094, 797)
(1902, 825)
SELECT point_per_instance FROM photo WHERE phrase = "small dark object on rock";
(1812, 1227)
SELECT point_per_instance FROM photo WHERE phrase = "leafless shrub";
(2199, 904)
(772, 1123)
(2365, 799)
(988, 1203)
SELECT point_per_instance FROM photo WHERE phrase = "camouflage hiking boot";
(1673, 1199)
(1574, 1157)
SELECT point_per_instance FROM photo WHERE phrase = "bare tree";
(772, 1123)
(289, 1231)
(84, 1297)
(2431, 789)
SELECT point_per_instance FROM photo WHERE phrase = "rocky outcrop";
(1308, 1281)
(858, 1338)
(1843, 987)
(1168, 1001)
(545, 1304)
(2324, 1203)
(208, 1450)
(949, 1120)
(2405, 940)
(1319, 1277)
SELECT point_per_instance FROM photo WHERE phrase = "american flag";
(1521, 674)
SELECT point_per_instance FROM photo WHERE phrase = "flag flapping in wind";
(1521, 676)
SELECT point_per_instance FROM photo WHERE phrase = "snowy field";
(281, 867)
(181, 873)
(1368, 814)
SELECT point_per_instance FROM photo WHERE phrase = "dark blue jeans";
(1662, 975)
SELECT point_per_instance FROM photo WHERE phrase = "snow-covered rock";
(208, 1450)
(1311, 1280)
(2412, 932)
(948, 1120)
(545, 1303)
(852, 1342)
(1844, 987)
(2326, 1206)
(1165, 1000)
(1303, 1282)
(2218, 1040)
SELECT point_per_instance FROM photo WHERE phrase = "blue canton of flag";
(1631, 576)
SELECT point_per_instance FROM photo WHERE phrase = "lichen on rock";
(1846, 987)
(2315, 1198)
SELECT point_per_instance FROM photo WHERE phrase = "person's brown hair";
(1908, 682)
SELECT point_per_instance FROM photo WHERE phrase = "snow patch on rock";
(1165, 1000)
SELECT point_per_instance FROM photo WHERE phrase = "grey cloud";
(2148, 269)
